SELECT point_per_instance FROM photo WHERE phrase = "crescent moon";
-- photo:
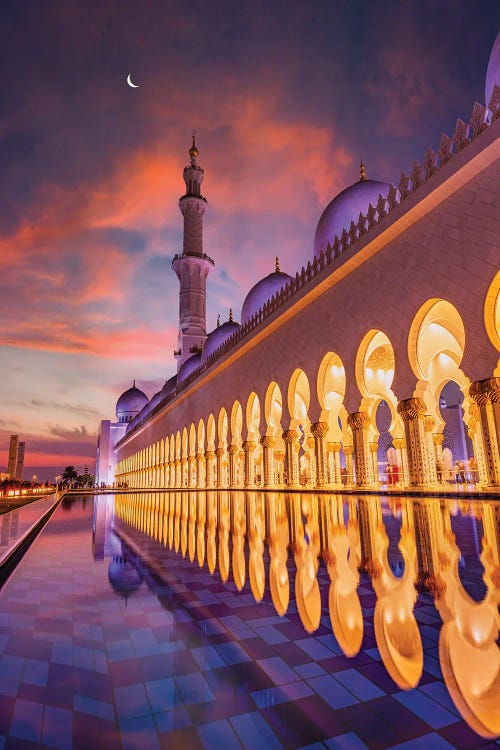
(129, 81)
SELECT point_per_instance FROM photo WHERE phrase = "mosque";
(377, 363)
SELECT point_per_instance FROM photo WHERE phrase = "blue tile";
(207, 658)
(271, 635)
(349, 741)
(11, 667)
(358, 684)
(9, 687)
(162, 694)
(438, 692)
(281, 694)
(314, 648)
(332, 691)
(425, 708)
(36, 672)
(131, 701)
(27, 721)
(194, 688)
(311, 669)
(254, 732)
(218, 734)
(92, 707)
(139, 733)
(57, 728)
(278, 670)
(427, 742)
(167, 721)
(232, 653)
(119, 650)
(62, 653)
(83, 658)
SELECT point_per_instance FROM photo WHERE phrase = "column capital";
(438, 438)
(267, 441)
(399, 443)
(348, 450)
(333, 447)
(200, 456)
(279, 455)
(358, 420)
(249, 446)
(484, 391)
(219, 452)
(429, 423)
(319, 429)
(232, 450)
(289, 436)
(209, 454)
(411, 408)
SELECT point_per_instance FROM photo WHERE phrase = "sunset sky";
(286, 98)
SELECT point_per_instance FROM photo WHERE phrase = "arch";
(211, 432)
(222, 427)
(253, 415)
(436, 341)
(299, 396)
(273, 407)
(192, 440)
(375, 364)
(201, 436)
(236, 423)
(492, 314)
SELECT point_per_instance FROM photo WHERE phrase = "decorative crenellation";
(481, 118)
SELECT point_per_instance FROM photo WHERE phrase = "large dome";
(217, 337)
(261, 293)
(130, 404)
(493, 71)
(344, 208)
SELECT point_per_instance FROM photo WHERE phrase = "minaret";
(193, 265)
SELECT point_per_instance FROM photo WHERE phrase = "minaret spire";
(192, 265)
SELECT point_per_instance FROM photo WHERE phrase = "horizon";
(284, 112)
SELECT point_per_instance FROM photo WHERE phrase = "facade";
(376, 363)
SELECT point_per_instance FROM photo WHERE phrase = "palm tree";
(69, 474)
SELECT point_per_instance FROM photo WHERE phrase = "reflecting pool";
(255, 620)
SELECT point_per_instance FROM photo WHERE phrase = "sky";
(286, 99)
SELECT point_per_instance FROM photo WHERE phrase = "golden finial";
(362, 172)
(133, 385)
(218, 320)
(277, 267)
(230, 314)
(193, 151)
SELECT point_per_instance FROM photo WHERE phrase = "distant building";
(20, 461)
(11, 467)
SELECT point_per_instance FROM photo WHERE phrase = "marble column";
(209, 469)
(359, 422)
(219, 453)
(318, 431)
(429, 424)
(191, 471)
(249, 448)
(486, 394)
(233, 457)
(267, 442)
(291, 458)
(200, 470)
(412, 411)
(333, 450)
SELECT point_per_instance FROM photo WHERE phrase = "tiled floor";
(181, 660)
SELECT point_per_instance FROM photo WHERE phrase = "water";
(239, 619)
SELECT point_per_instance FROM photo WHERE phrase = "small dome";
(130, 404)
(262, 291)
(493, 71)
(189, 366)
(344, 208)
(170, 386)
(217, 337)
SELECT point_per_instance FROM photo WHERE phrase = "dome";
(123, 576)
(493, 71)
(170, 386)
(344, 208)
(262, 292)
(130, 404)
(189, 366)
(217, 337)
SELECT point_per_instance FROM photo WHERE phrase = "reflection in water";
(286, 536)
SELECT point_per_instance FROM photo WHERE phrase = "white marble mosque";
(377, 363)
